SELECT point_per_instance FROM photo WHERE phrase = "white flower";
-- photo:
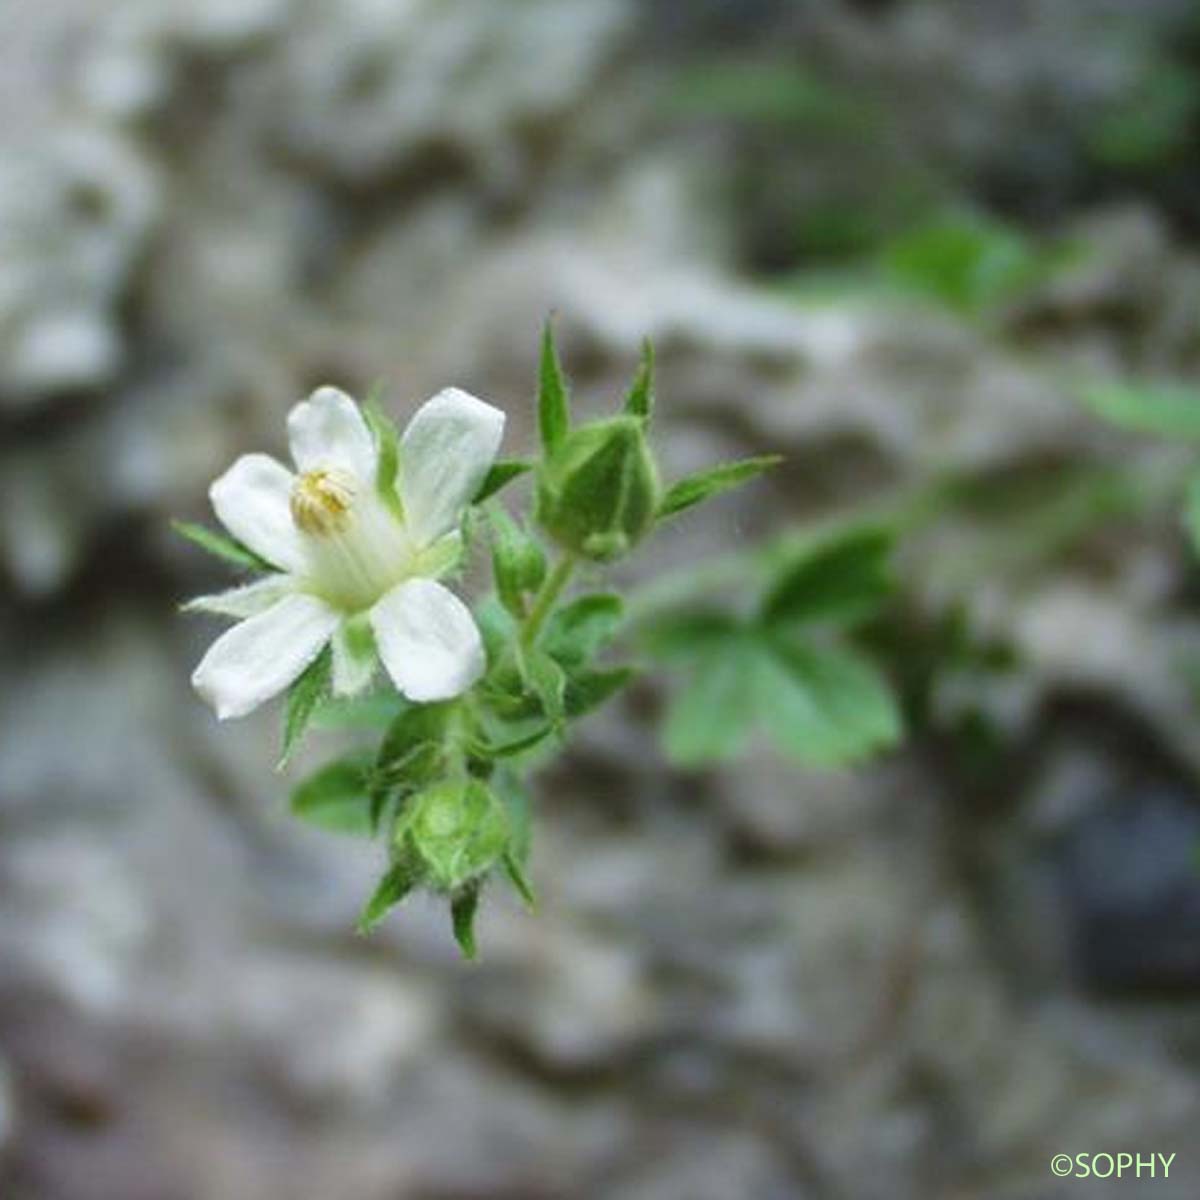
(357, 563)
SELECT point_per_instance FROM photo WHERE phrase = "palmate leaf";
(704, 485)
(821, 705)
(839, 577)
(221, 546)
(714, 713)
(1168, 410)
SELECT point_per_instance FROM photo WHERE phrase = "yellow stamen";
(321, 501)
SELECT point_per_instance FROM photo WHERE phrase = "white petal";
(354, 659)
(446, 451)
(328, 430)
(428, 641)
(258, 658)
(252, 499)
(247, 601)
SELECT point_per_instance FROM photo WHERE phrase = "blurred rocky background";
(892, 239)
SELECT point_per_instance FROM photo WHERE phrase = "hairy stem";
(544, 601)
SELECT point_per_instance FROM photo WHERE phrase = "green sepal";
(464, 906)
(500, 475)
(387, 449)
(639, 401)
(554, 412)
(398, 880)
(515, 860)
(520, 881)
(704, 485)
(303, 699)
(840, 577)
(222, 546)
(338, 796)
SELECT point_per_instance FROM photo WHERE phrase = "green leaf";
(463, 907)
(400, 879)
(689, 634)
(515, 798)
(588, 690)
(387, 446)
(337, 797)
(966, 262)
(520, 825)
(514, 746)
(841, 577)
(496, 627)
(458, 829)
(823, 706)
(222, 546)
(303, 698)
(1169, 410)
(1191, 512)
(640, 400)
(554, 414)
(548, 681)
(411, 755)
(575, 632)
(416, 726)
(713, 715)
(693, 489)
(500, 475)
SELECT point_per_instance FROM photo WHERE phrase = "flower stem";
(545, 600)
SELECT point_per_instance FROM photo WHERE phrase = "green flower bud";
(598, 494)
(530, 565)
(457, 829)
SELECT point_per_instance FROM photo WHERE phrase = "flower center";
(321, 501)
(357, 549)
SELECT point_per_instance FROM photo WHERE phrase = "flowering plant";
(349, 552)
